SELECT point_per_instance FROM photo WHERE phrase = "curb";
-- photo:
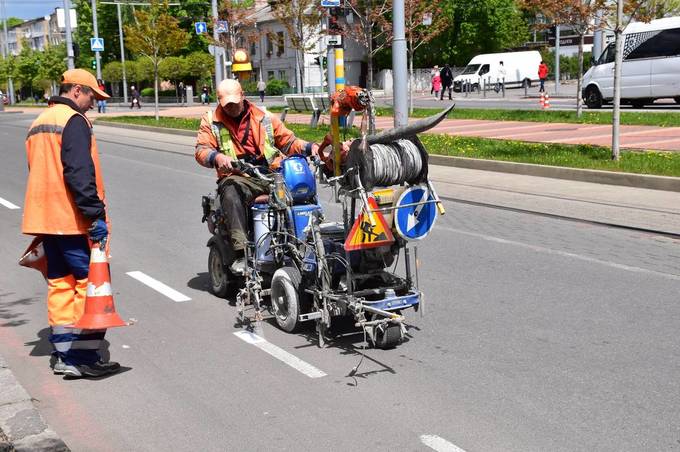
(22, 428)
(664, 183)
(557, 172)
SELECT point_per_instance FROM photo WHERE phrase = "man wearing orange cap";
(239, 130)
(65, 206)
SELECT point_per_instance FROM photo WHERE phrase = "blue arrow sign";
(330, 3)
(201, 27)
(417, 216)
(97, 44)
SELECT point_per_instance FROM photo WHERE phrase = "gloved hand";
(99, 231)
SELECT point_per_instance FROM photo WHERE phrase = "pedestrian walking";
(501, 74)
(447, 80)
(101, 103)
(433, 72)
(436, 85)
(66, 208)
(542, 75)
(261, 87)
(182, 92)
(205, 95)
(136, 98)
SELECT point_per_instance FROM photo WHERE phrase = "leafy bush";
(147, 92)
(249, 87)
(276, 87)
(568, 64)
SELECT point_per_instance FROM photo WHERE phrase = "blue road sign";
(416, 219)
(330, 3)
(97, 44)
(201, 27)
(222, 26)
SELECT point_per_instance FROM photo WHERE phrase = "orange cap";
(83, 78)
(229, 91)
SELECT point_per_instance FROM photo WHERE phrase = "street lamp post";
(122, 52)
(400, 85)
(96, 35)
(69, 40)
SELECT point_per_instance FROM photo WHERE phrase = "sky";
(31, 9)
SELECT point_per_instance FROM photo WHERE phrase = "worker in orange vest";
(239, 130)
(65, 206)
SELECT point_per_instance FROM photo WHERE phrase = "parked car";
(521, 69)
(651, 64)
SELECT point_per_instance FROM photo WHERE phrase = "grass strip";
(564, 155)
(652, 118)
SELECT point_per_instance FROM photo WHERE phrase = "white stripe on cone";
(99, 291)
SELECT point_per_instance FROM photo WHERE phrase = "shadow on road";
(7, 310)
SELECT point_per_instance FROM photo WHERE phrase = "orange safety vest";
(49, 207)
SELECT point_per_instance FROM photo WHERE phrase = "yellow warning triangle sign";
(370, 230)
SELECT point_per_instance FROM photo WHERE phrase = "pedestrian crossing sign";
(97, 44)
(370, 230)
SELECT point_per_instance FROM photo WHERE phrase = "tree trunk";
(579, 102)
(410, 82)
(618, 59)
(155, 88)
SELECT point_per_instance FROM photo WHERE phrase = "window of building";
(283, 75)
(270, 75)
(270, 45)
(253, 49)
(281, 41)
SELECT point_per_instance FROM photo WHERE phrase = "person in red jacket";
(542, 75)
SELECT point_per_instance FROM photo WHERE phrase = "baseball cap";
(83, 78)
(229, 91)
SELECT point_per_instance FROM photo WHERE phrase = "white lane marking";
(439, 444)
(280, 354)
(8, 204)
(541, 249)
(158, 286)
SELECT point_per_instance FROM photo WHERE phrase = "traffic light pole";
(5, 52)
(70, 63)
(96, 35)
(122, 52)
(219, 76)
(400, 84)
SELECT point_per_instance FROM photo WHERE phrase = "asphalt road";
(538, 333)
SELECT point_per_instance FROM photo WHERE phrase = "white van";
(521, 69)
(650, 70)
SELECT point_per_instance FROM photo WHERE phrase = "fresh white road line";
(280, 354)
(541, 249)
(8, 204)
(439, 444)
(158, 286)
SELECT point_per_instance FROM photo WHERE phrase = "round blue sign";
(415, 213)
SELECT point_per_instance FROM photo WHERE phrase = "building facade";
(38, 33)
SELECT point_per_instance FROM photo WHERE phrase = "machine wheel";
(220, 276)
(593, 97)
(286, 298)
(387, 336)
(638, 103)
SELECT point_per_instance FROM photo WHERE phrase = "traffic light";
(334, 27)
(320, 61)
(76, 50)
(94, 63)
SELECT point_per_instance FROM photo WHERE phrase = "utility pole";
(618, 62)
(400, 84)
(557, 59)
(122, 52)
(5, 52)
(96, 35)
(219, 76)
(69, 39)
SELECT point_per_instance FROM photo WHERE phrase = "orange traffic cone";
(542, 101)
(100, 312)
(546, 103)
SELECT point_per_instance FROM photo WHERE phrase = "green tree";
(53, 64)
(156, 35)
(113, 71)
(483, 26)
(174, 69)
(28, 66)
(107, 26)
(201, 65)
